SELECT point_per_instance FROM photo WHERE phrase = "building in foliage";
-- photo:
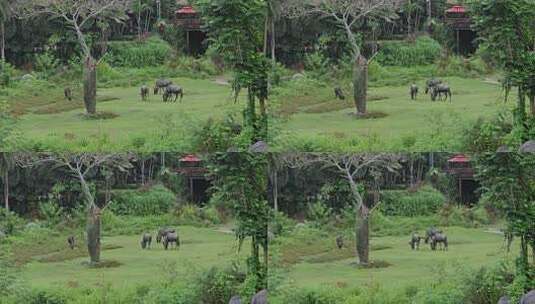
(189, 20)
(192, 169)
(460, 167)
(457, 18)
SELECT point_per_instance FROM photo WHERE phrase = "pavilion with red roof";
(460, 167)
(458, 19)
(189, 20)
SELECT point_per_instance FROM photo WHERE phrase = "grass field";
(315, 112)
(315, 263)
(53, 119)
(201, 248)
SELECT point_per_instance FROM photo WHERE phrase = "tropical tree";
(349, 14)
(79, 15)
(241, 179)
(81, 166)
(364, 174)
(235, 29)
(5, 15)
(508, 180)
(508, 29)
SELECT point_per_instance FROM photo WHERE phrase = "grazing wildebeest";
(440, 90)
(414, 91)
(439, 238)
(68, 93)
(161, 84)
(430, 232)
(339, 93)
(235, 300)
(146, 239)
(340, 241)
(260, 297)
(169, 238)
(162, 232)
(415, 241)
(528, 298)
(504, 300)
(173, 90)
(431, 83)
(72, 241)
(144, 92)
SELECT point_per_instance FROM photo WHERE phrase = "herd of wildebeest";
(169, 236)
(162, 85)
(435, 87)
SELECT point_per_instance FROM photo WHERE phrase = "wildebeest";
(169, 238)
(144, 92)
(441, 239)
(528, 298)
(339, 242)
(161, 84)
(235, 300)
(414, 91)
(260, 297)
(72, 241)
(68, 93)
(146, 239)
(173, 90)
(339, 93)
(504, 300)
(431, 83)
(430, 232)
(415, 241)
(162, 232)
(440, 90)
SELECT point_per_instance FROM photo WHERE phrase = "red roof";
(188, 10)
(458, 9)
(190, 158)
(459, 158)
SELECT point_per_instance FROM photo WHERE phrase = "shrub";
(424, 51)
(46, 64)
(193, 215)
(319, 213)
(137, 54)
(425, 201)
(280, 224)
(10, 222)
(155, 200)
(51, 212)
(218, 286)
(7, 72)
(323, 295)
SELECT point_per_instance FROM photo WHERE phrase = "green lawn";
(202, 99)
(201, 249)
(326, 265)
(316, 112)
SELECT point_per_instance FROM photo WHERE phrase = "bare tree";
(81, 166)
(348, 14)
(78, 14)
(364, 173)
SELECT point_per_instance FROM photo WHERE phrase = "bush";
(51, 212)
(46, 64)
(424, 51)
(10, 222)
(425, 201)
(151, 201)
(218, 286)
(7, 72)
(280, 224)
(323, 295)
(319, 213)
(193, 215)
(137, 54)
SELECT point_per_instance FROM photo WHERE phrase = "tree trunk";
(6, 188)
(3, 41)
(275, 192)
(93, 234)
(142, 171)
(532, 105)
(362, 238)
(273, 42)
(90, 85)
(360, 84)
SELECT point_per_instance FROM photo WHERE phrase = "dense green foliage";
(151, 201)
(423, 201)
(423, 51)
(138, 54)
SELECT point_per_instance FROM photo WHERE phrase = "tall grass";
(138, 54)
(400, 53)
